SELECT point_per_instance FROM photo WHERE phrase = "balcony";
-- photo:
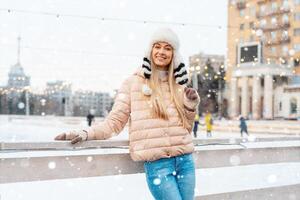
(273, 13)
(274, 27)
(264, 1)
(261, 1)
(278, 41)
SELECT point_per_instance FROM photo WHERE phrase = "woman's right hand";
(75, 136)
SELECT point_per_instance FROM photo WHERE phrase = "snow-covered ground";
(13, 129)
(208, 181)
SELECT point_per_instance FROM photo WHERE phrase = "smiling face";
(162, 54)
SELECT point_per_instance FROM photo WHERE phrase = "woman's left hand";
(191, 93)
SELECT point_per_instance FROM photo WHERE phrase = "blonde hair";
(157, 100)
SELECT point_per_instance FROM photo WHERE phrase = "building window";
(263, 23)
(253, 11)
(293, 106)
(297, 47)
(274, 6)
(296, 62)
(285, 50)
(262, 9)
(297, 16)
(283, 61)
(273, 50)
(285, 19)
(285, 34)
(251, 25)
(242, 26)
(242, 13)
(274, 21)
(273, 35)
(285, 4)
(251, 38)
(296, 31)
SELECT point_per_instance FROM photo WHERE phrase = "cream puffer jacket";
(150, 138)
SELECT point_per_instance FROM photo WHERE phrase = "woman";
(161, 111)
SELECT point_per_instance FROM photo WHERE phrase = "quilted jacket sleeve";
(117, 118)
(190, 110)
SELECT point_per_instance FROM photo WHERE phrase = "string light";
(57, 15)
(76, 51)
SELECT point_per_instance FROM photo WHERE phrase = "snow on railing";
(94, 144)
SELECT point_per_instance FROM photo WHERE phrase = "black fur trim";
(180, 66)
(183, 81)
(182, 74)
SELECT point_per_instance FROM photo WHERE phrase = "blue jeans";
(171, 178)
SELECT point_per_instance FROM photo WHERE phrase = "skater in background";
(90, 118)
(196, 124)
(161, 110)
(208, 122)
(243, 126)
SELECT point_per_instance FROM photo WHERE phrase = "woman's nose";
(161, 51)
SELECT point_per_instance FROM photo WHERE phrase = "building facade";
(263, 56)
(59, 98)
(97, 103)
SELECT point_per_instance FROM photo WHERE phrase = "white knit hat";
(168, 36)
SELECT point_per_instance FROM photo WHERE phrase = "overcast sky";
(95, 54)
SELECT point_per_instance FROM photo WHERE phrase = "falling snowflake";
(157, 181)
(52, 165)
(21, 105)
(89, 159)
(180, 176)
(71, 164)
